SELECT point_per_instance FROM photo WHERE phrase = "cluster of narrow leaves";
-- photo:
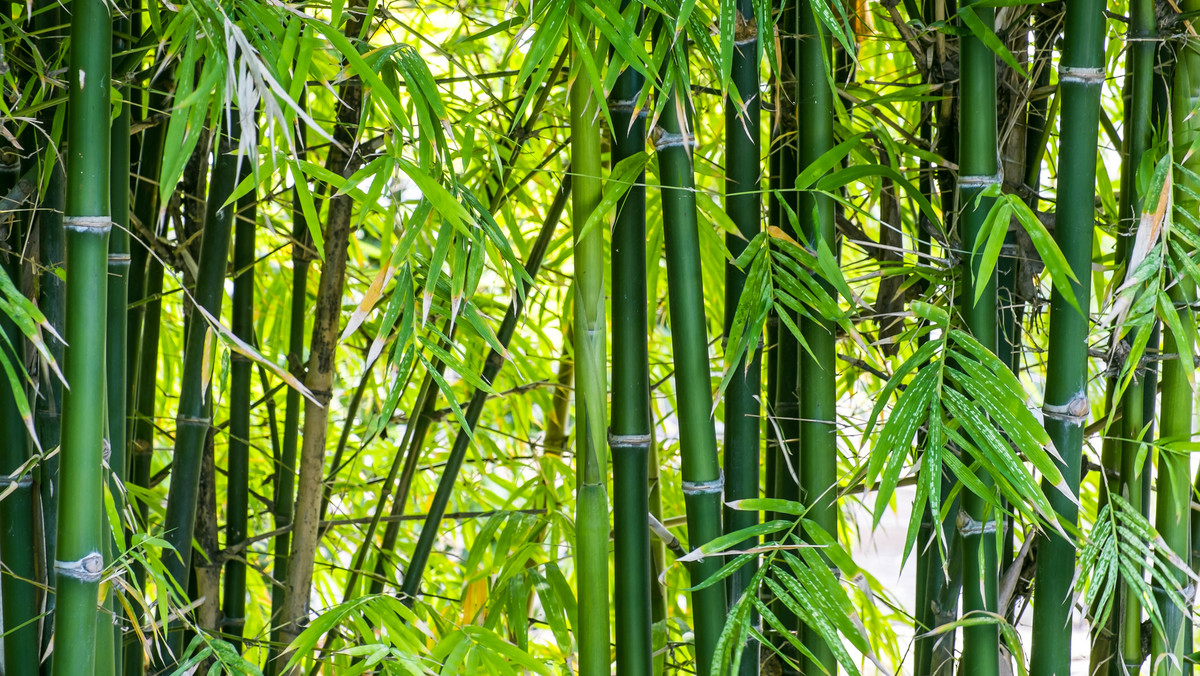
(964, 411)
(807, 579)
(1124, 548)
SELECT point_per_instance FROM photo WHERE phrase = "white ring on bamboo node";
(705, 487)
(628, 440)
(1074, 411)
(665, 139)
(969, 526)
(25, 481)
(1087, 76)
(87, 222)
(980, 181)
(88, 569)
(622, 105)
(119, 258)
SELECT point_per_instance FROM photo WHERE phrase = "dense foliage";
(594, 336)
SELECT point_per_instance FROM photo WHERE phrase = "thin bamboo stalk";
(233, 608)
(492, 365)
(321, 374)
(194, 416)
(978, 169)
(17, 591)
(1066, 406)
(1172, 513)
(285, 472)
(109, 634)
(701, 472)
(743, 203)
(629, 433)
(78, 561)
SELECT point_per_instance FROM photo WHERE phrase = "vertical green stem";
(629, 435)
(702, 479)
(78, 562)
(743, 203)
(1066, 408)
(978, 169)
(817, 391)
(591, 521)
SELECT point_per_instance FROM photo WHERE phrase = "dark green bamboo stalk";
(591, 515)
(16, 509)
(1066, 408)
(978, 169)
(1172, 507)
(629, 433)
(109, 634)
(492, 365)
(78, 561)
(743, 203)
(195, 408)
(702, 480)
(818, 396)
(241, 374)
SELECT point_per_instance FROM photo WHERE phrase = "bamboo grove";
(599, 336)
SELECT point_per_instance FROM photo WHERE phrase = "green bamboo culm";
(195, 402)
(591, 516)
(978, 170)
(701, 472)
(109, 634)
(19, 594)
(817, 363)
(1081, 75)
(233, 608)
(78, 561)
(743, 203)
(1172, 507)
(629, 433)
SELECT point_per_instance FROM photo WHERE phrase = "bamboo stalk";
(978, 169)
(194, 416)
(17, 591)
(743, 203)
(818, 396)
(1066, 406)
(591, 515)
(629, 433)
(241, 374)
(109, 633)
(285, 472)
(462, 440)
(321, 374)
(78, 561)
(702, 480)
(1172, 513)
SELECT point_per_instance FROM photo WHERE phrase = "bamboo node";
(118, 258)
(1074, 411)
(24, 481)
(628, 440)
(90, 568)
(705, 487)
(968, 526)
(105, 449)
(1086, 76)
(190, 420)
(981, 181)
(626, 106)
(87, 222)
(664, 139)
